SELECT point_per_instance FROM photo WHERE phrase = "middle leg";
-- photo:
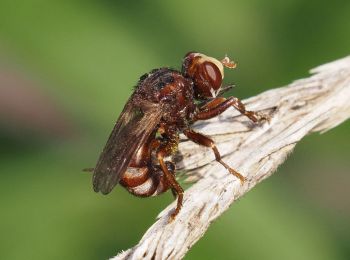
(208, 142)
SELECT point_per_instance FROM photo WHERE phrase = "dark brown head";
(206, 72)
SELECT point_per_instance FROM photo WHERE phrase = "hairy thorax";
(172, 91)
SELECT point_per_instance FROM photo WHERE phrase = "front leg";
(220, 104)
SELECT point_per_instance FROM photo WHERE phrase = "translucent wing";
(135, 124)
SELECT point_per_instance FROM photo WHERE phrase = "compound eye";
(212, 74)
(206, 72)
(208, 79)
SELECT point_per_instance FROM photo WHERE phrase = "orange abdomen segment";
(144, 181)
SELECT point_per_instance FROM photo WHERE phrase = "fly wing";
(132, 129)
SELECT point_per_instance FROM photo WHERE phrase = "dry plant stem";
(314, 104)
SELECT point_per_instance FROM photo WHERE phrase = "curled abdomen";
(146, 181)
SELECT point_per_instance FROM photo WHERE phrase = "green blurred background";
(68, 67)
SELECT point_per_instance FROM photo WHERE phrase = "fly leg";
(208, 142)
(221, 104)
(175, 186)
(167, 146)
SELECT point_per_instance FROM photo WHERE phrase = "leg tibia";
(208, 142)
(221, 104)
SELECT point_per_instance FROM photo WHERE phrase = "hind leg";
(174, 185)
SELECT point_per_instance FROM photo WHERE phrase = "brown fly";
(165, 102)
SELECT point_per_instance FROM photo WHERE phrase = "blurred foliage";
(85, 56)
